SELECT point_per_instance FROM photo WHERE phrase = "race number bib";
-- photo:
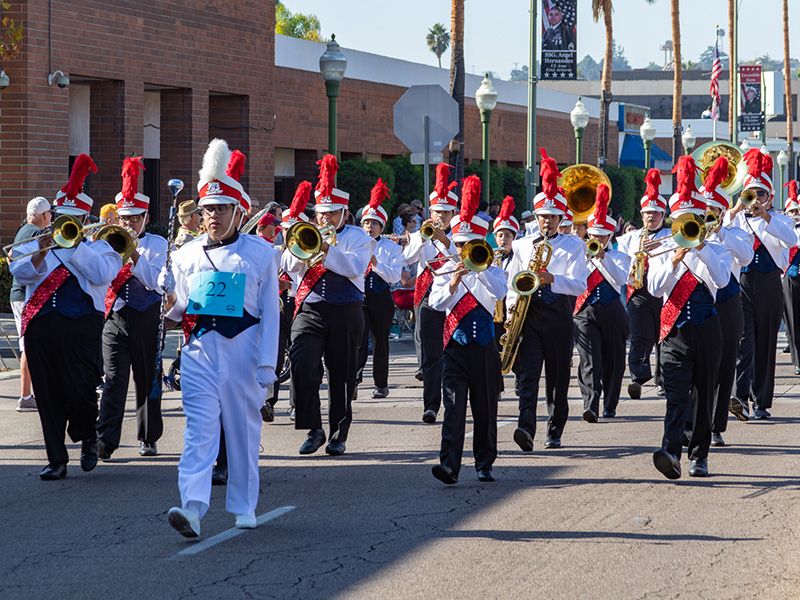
(216, 293)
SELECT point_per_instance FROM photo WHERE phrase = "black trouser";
(417, 339)
(130, 340)
(791, 315)
(644, 316)
(731, 321)
(321, 330)
(431, 325)
(690, 358)
(64, 358)
(546, 342)
(378, 315)
(470, 373)
(762, 307)
(285, 331)
(602, 331)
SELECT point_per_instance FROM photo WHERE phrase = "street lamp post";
(648, 133)
(783, 160)
(580, 119)
(332, 65)
(486, 99)
(689, 140)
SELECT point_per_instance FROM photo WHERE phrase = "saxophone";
(639, 267)
(525, 284)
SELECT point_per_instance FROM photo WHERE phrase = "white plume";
(215, 161)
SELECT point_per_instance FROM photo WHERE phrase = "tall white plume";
(215, 161)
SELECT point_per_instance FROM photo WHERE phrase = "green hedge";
(357, 177)
(627, 184)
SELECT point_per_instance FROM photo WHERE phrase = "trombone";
(688, 231)
(475, 255)
(304, 241)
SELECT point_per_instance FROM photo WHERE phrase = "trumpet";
(304, 241)
(748, 197)
(121, 240)
(67, 231)
(593, 247)
(428, 230)
(475, 255)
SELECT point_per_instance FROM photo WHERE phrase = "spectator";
(108, 214)
(494, 209)
(189, 218)
(420, 207)
(397, 223)
(482, 208)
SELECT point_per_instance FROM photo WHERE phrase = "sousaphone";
(580, 183)
(706, 154)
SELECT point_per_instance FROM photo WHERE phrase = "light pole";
(533, 78)
(580, 119)
(332, 65)
(783, 160)
(648, 133)
(486, 99)
(689, 140)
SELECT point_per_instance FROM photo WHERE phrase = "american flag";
(716, 69)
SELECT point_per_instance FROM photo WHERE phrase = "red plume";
(686, 170)
(792, 185)
(443, 184)
(653, 181)
(80, 170)
(379, 193)
(470, 198)
(131, 167)
(301, 197)
(506, 209)
(754, 159)
(235, 168)
(766, 165)
(716, 174)
(328, 167)
(550, 174)
(601, 206)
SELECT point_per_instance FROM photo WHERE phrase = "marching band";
(706, 290)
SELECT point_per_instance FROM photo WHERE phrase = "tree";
(520, 74)
(653, 67)
(619, 62)
(787, 82)
(589, 69)
(10, 34)
(438, 40)
(297, 25)
(677, 82)
(707, 58)
(602, 8)
(457, 80)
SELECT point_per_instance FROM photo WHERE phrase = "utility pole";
(530, 166)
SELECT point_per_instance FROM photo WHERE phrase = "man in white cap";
(329, 319)
(38, 216)
(130, 334)
(226, 290)
(62, 322)
(548, 328)
(429, 322)
(600, 320)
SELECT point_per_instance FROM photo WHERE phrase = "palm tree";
(603, 8)
(677, 80)
(787, 78)
(438, 40)
(457, 83)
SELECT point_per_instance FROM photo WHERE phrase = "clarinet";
(175, 187)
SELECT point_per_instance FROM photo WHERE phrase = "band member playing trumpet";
(505, 228)
(644, 310)
(471, 363)
(329, 318)
(385, 268)
(130, 334)
(62, 322)
(687, 278)
(728, 301)
(424, 247)
(791, 281)
(600, 320)
(761, 285)
(227, 286)
(547, 328)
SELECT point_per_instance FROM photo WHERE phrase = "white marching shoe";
(246, 521)
(186, 522)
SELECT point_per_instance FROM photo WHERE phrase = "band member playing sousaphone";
(547, 271)
(761, 285)
(432, 241)
(468, 293)
(791, 281)
(644, 310)
(600, 320)
(385, 268)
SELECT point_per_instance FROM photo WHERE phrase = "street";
(591, 520)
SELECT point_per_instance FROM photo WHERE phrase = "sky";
(496, 31)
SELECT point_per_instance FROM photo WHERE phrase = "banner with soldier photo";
(751, 115)
(559, 39)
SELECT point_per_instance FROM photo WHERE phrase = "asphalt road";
(591, 520)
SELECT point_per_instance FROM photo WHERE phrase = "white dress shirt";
(777, 235)
(488, 287)
(740, 245)
(711, 265)
(152, 258)
(614, 267)
(389, 260)
(421, 251)
(629, 243)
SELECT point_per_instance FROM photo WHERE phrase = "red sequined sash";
(425, 280)
(42, 294)
(310, 279)
(125, 273)
(675, 303)
(460, 310)
(595, 279)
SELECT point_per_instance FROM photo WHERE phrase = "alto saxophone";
(639, 267)
(525, 284)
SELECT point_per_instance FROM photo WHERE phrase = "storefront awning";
(632, 154)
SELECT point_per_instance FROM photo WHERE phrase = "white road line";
(230, 533)
(499, 425)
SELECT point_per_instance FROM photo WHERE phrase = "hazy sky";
(496, 35)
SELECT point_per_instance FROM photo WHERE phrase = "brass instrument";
(304, 241)
(688, 231)
(428, 230)
(120, 239)
(475, 255)
(580, 183)
(639, 267)
(67, 231)
(525, 284)
(500, 305)
(593, 247)
(250, 225)
(748, 197)
(706, 154)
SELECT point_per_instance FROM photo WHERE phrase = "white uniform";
(711, 265)
(225, 378)
(389, 260)
(420, 251)
(152, 257)
(777, 235)
(487, 286)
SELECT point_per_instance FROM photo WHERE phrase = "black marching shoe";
(429, 417)
(634, 390)
(219, 475)
(418, 376)
(738, 409)
(667, 464)
(335, 448)
(552, 442)
(314, 441)
(698, 468)
(148, 449)
(760, 414)
(590, 416)
(103, 451)
(267, 412)
(444, 474)
(53, 471)
(380, 392)
(609, 414)
(717, 439)
(797, 370)
(661, 392)
(523, 439)
(89, 454)
(485, 475)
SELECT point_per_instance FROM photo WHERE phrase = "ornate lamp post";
(486, 99)
(648, 133)
(332, 65)
(580, 119)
